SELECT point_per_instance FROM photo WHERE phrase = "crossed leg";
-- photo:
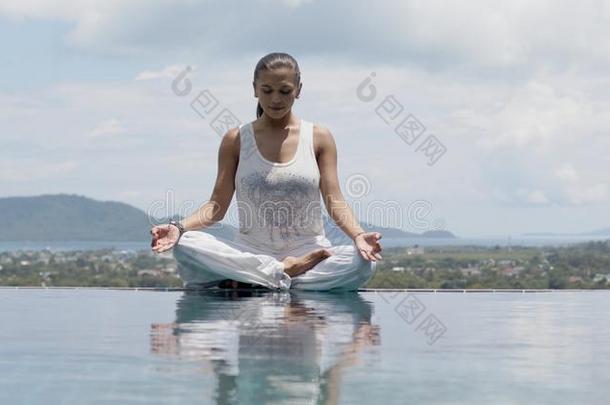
(205, 260)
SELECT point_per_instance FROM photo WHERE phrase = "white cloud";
(582, 194)
(108, 128)
(535, 196)
(27, 170)
(579, 191)
(168, 72)
(567, 173)
(513, 36)
(516, 91)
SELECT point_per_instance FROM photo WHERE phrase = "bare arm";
(215, 209)
(337, 207)
(367, 243)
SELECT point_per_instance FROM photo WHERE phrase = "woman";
(278, 166)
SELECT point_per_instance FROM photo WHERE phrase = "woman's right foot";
(294, 266)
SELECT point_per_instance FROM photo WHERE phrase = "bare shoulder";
(322, 138)
(230, 141)
(232, 135)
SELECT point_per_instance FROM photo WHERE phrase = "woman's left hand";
(368, 245)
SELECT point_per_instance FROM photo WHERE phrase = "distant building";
(470, 271)
(415, 250)
(154, 273)
(398, 268)
(511, 271)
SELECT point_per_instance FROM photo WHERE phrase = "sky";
(484, 118)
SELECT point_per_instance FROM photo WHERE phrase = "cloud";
(577, 191)
(168, 72)
(27, 170)
(533, 196)
(516, 91)
(490, 37)
(587, 194)
(567, 173)
(108, 128)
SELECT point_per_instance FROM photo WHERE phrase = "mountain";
(69, 217)
(597, 232)
(600, 232)
(64, 217)
(399, 233)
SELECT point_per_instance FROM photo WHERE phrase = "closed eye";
(283, 92)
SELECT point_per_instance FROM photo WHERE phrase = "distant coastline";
(70, 217)
(8, 246)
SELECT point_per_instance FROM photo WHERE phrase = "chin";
(273, 113)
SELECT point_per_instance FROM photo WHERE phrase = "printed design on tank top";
(286, 205)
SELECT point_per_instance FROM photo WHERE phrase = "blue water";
(147, 347)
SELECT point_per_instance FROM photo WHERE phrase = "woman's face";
(276, 91)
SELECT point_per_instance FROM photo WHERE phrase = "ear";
(299, 90)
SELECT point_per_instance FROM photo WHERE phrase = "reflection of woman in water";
(278, 166)
(273, 347)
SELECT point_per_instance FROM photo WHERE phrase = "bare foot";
(294, 266)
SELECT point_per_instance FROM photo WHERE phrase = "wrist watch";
(178, 225)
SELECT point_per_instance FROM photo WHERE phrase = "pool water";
(81, 346)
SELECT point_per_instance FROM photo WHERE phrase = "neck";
(278, 123)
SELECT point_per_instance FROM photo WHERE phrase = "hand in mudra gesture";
(164, 237)
(368, 245)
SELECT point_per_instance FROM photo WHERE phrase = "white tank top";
(279, 204)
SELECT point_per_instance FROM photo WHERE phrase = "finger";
(166, 248)
(362, 253)
(159, 246)
(368, 256)
(378, 235)
(166, 245)
(378, 256)
(373, 258)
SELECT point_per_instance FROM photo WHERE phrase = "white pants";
(204, 260)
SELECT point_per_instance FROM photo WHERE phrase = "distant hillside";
(64, 217)
(597, 232)
(69, 217)
(602, 232)
(398, 233)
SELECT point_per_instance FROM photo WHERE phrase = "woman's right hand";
(164, 237)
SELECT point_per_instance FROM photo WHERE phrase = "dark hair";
(272, 61)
